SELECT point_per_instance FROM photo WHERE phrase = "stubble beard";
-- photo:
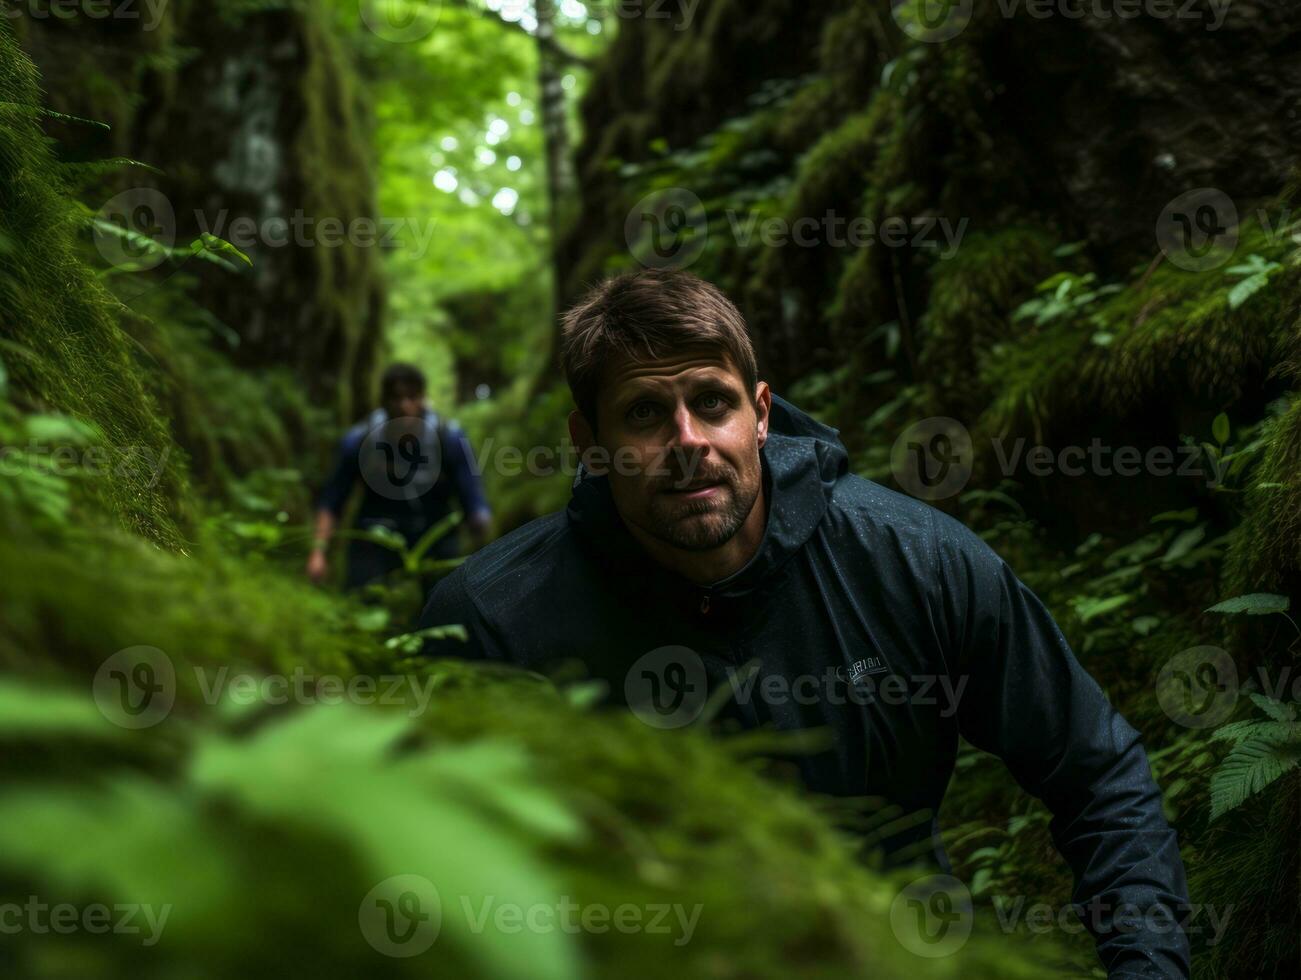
(700, 525)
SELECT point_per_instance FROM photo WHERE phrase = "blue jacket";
(445, 468)
(869, 614)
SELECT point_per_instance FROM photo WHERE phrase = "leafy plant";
(1254, 275)
(1063, 296)
(1263, 751)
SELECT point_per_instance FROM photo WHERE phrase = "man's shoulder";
(887, 520)
(519, 564)
(875, 509)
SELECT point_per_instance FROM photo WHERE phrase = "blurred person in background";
(410, 464)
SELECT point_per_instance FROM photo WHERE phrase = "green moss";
(70, 353)
(969, 311)
(1265, 554)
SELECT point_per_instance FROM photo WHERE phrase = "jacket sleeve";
(450, 604)
(343, 477)
(1030, 702)
(465, 475)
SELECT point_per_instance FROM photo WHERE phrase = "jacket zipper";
(704, 603)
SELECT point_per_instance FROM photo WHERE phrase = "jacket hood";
(801, 461)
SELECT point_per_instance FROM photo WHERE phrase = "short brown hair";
(401, 379)
(649, 313)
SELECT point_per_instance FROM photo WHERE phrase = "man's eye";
(712, 402)
(641, 412)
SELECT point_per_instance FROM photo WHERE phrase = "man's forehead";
(625, 371)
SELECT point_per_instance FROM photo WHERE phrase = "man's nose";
(690, 437)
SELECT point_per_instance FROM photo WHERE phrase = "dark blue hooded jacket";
(869, 614)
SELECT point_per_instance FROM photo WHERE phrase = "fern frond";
(1248, 769)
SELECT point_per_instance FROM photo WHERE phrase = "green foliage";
(1262, 752)
(1257, 604)
(66, 351)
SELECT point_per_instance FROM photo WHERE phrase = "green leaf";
(212, 245)
(1275, 709)
(1255, 604)
(1246, 289)
(1144, 625)
(61, 429)
(1248, 769)
(1088, 608)
(1220, 428)
(1182, 544)
(28, 709)
(1180, 516)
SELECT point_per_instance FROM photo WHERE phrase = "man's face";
(683, 436)
(404, 403)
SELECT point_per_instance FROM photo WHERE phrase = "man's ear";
(762, 406)
(580, 432)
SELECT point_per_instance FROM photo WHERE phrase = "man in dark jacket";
(716, 538)
(410, 465)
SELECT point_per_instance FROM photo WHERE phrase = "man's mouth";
(696, 490)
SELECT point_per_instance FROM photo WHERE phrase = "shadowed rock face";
(273, 158)
(1085, 128)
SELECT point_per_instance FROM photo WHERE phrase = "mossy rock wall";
(253, 115)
